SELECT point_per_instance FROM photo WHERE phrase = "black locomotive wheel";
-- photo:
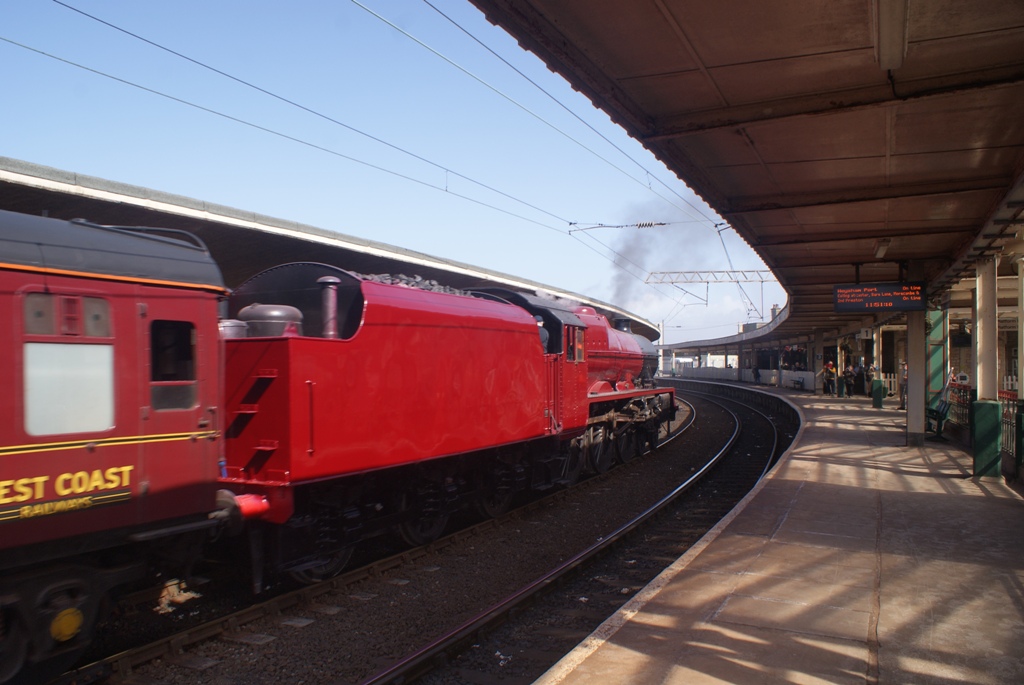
(574, 461)
(651, 439)
(599, 453)
(664, 429)
(496, 490)
(424, 517)
(494, 504)
(627, 445)
(325, 571)
(655, 431)
(43, 671)
(422, 530)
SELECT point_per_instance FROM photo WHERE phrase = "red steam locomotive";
(148, 410)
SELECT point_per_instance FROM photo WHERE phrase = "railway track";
(284, 626)
(524, 648)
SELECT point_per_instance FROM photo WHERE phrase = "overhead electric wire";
(743, 293)
(348, 127)
(637, 225)
(388, 144)
(507, 97)
(279, 134)
(575, 115)
(306, 143)
(697, 210)
(539, 118)
(310, 111)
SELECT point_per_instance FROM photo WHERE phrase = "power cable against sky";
(284, 136)
(510, 99)
(336, 154)
(565, 107)
(309, 110)
(618, 260)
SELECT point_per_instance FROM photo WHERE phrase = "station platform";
(858, 560)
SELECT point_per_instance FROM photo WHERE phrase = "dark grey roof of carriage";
(123, 252)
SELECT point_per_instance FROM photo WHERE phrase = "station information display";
(879, 297)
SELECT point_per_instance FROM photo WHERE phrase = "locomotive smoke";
(631, 261)
(679, 246)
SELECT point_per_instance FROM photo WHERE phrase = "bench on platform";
(938, 414)
(798, 383)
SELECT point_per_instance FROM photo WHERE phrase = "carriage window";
(71, 315)
(39, 316)
(172, 364)
(68, 376)
(96, 317)
(69, 388)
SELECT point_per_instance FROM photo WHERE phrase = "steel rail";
(748, 407)
(419, 662)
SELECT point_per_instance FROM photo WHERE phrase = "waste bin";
(877, 393)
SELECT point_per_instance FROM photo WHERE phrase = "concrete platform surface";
(859, 560)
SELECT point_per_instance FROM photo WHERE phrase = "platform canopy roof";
(847, 141)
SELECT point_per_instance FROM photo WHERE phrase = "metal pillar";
(987, 447)
(817, 361)
(1019, 438)
(916, 378)
(986, 422)
(987, 336)
(938, 360)
(1019, 259)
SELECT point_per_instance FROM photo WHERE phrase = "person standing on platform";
(828, 379)
(903, 385)
(848, 377)
(869, 378)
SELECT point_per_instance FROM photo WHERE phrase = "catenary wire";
(284, 136)
(605, 256)
(703, 219)
(309, 110)
(351, 128)
(507, 97)
(311, 145)
(621, 260)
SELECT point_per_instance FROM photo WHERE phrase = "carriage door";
(179, 456)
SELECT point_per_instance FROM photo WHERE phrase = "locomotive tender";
(148, 411)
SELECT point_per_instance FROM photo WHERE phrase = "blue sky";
(538, 164)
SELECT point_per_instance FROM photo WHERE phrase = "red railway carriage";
(356, 407)
(110, 357)
(451, 374)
